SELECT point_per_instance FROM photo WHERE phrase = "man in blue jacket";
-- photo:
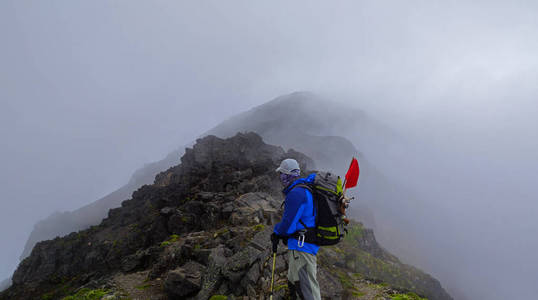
(298, 215)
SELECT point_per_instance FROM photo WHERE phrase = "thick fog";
(91, 91)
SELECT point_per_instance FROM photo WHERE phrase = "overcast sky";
(92, 90)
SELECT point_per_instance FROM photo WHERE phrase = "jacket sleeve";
(293, 210)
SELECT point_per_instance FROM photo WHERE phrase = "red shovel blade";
(352, 175)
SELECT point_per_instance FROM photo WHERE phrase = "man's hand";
(274, 239)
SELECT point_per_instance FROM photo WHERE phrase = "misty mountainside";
(293, 121)
(201, 231)
(4, 284)
(62, 223)
(302, 121)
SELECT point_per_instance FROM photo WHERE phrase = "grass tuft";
(87, 294)
(171, 239)
(408, 296)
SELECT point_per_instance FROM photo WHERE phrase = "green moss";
(218, 297)
(134, 227)
(258, 227)
(65, 288)
(408, 296)
(187, 199)
(354, 233)
(47, 296)
(282, 286)
(220, 232)
(383, 269)
(62, 287)
(87, 294)
(81, 235)
(171, 239)
(338, 250)
(346, 282)
(358, 293)
(144, 286)
(376, 286)
(197, 247)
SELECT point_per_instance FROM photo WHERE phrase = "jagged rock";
(239, 263)
(131, 262)
(261, 241)
(181, 222)
(213, 277)
(206, 196)
(202, 255)
(252, 275)
(251, 292)
(228, 208)
(242, 216)
(167, 211)
(172, 257)
(184, 281)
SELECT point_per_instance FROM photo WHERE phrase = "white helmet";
(288, 165)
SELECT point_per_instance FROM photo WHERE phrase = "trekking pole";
(273, 276)
(274, 240)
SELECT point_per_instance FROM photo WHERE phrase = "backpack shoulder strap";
(303, 185)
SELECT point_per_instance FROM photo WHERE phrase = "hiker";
(298, 215)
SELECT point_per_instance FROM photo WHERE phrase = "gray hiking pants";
(302, 275)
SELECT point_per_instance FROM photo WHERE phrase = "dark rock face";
(201, 229)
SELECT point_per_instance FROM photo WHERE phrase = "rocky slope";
(202, 231)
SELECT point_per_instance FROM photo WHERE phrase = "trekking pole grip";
(274, 240)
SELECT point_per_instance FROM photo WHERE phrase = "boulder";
(184, 281)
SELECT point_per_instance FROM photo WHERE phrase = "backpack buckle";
(300, 240)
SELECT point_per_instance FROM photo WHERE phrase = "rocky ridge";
(298, 129)
(202, 230)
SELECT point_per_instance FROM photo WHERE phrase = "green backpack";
(330, 223)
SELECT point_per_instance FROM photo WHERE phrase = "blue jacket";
(299, 204)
